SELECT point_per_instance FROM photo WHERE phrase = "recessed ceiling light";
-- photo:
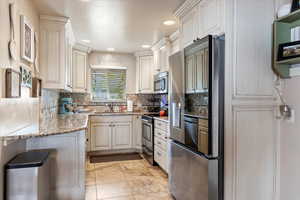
(110, 49)
(146, 46)
(85, 0)
(86, 41)
(169, 22)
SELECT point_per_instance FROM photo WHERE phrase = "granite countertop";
(60, 124)
(164, 118)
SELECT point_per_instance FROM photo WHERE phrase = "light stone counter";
(61, 124)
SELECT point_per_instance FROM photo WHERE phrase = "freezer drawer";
(193, 177)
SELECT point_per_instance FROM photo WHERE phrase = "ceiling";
(124, 25)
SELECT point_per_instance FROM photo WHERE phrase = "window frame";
(108, 100)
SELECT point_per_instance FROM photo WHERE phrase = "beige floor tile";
(121, 198)
(113, 190)
(142, 185)
(126, 180)
(91, 193)
(154, 196)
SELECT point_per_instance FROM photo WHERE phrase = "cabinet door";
(189, 27)
(156, 61)
(146, 74)
(79, 72)
(122, 135)
(211, 17)
(69, 67)
(189, 74)
(137, 132)
(205, 76)
(52, 58)
(199, 58)
(101, 134)
(164, 62)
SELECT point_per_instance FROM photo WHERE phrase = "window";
(108, 84)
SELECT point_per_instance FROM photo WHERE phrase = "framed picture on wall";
(26, 76)
(13, 84)
(27, 40)
(288, 50)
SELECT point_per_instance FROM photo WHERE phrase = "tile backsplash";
(140, 101)
(194, 102)
(49, 103)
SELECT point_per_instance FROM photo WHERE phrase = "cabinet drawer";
(161, 158)
(160, 133)
(160, 143)
(161, 125)
(109, 119)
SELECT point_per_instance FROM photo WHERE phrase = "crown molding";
(55, 18)
(81, 47)
(143, 53)
(174, 36)
(163, 42)
(186, 7)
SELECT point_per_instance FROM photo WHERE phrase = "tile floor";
(126, 180)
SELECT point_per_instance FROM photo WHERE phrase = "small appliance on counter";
(129, 106)
(66, 106)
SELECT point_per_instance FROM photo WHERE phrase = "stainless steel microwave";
(161, 83)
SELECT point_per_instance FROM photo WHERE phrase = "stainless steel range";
(148, 137)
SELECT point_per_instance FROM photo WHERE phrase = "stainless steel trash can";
(28, 176)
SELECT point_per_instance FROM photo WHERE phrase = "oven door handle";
(146, 121)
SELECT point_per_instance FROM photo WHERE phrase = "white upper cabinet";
(161, 52)
(79, 71)
(56, 40)
(189, 27)
(206, 17)
(211, 17)
(145, 72)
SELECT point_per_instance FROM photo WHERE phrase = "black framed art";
(288, 50)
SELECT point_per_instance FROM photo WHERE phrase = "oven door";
(147, 134)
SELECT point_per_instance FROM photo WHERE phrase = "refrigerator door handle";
(176, 111)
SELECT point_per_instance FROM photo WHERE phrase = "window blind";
(108, 84)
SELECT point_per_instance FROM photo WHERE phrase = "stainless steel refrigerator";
(197, 120)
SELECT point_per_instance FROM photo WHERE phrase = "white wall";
(118, 59)
(14, 113)
(290, 144)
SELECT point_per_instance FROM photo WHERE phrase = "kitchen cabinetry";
(101, 135)
(161, 130)
(137, 132)
(121, 135)
(111, 133)
(145, 72)
(206, 17)
(161, 51)
(79, 71)
(56, 40)
(196, 73)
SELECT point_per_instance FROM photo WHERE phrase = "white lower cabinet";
(111, 133)
(160, 144)
(101, 136)
(122, 135)
(137, 132)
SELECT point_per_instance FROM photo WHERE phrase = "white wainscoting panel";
(252, 56)
(254, 162)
